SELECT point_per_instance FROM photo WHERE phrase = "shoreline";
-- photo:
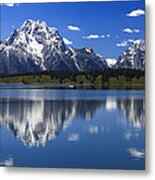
(71, 86)
(74, 84)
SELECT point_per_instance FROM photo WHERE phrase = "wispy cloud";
(73, 28)
(127, 42)
(135, 13)
(136, 30)
(130, 30)
(94, 36)
(122, 44)
(67, 41)
(130, 40)
(97, 36)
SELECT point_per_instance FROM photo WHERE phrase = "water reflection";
(136, 153)
(35, 122)
(133, 109)
(7, 162)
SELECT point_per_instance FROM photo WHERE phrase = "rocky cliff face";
(37, 47)
(133, 57)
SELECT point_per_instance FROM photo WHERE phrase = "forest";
(108, 78)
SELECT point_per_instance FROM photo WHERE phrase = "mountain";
(85, 59)
(111, 62)
(36, 47)
(133, 57)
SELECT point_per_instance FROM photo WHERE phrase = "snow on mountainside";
(85, 59)
(37, 47)
(111, 62)
(133, 57)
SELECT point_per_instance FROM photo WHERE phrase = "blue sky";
(107, 27)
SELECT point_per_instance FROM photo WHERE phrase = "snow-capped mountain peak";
(111, 62)
(89, 50)
(33, 33)
(133, 57)
(37, 47)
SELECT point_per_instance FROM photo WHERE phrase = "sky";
(107, 27)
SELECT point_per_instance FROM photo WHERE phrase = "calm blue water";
(72, 128)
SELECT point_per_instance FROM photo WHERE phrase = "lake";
(72, 128)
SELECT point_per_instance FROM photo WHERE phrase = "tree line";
(98, 77)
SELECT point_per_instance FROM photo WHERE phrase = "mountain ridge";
(36, 47)
(133, 57)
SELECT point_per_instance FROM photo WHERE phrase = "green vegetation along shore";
(106, 79)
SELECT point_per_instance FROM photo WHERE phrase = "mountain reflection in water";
(35, 122)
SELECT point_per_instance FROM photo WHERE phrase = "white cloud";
(94, 36)
(136, 30)
(127, 42)
(73, 28)
(131, 40)
(129, 30)
(108, 35)
(67, 41)
(102, 36)
(135, 13)
(123, 44)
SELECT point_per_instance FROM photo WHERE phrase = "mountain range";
(36, 47)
